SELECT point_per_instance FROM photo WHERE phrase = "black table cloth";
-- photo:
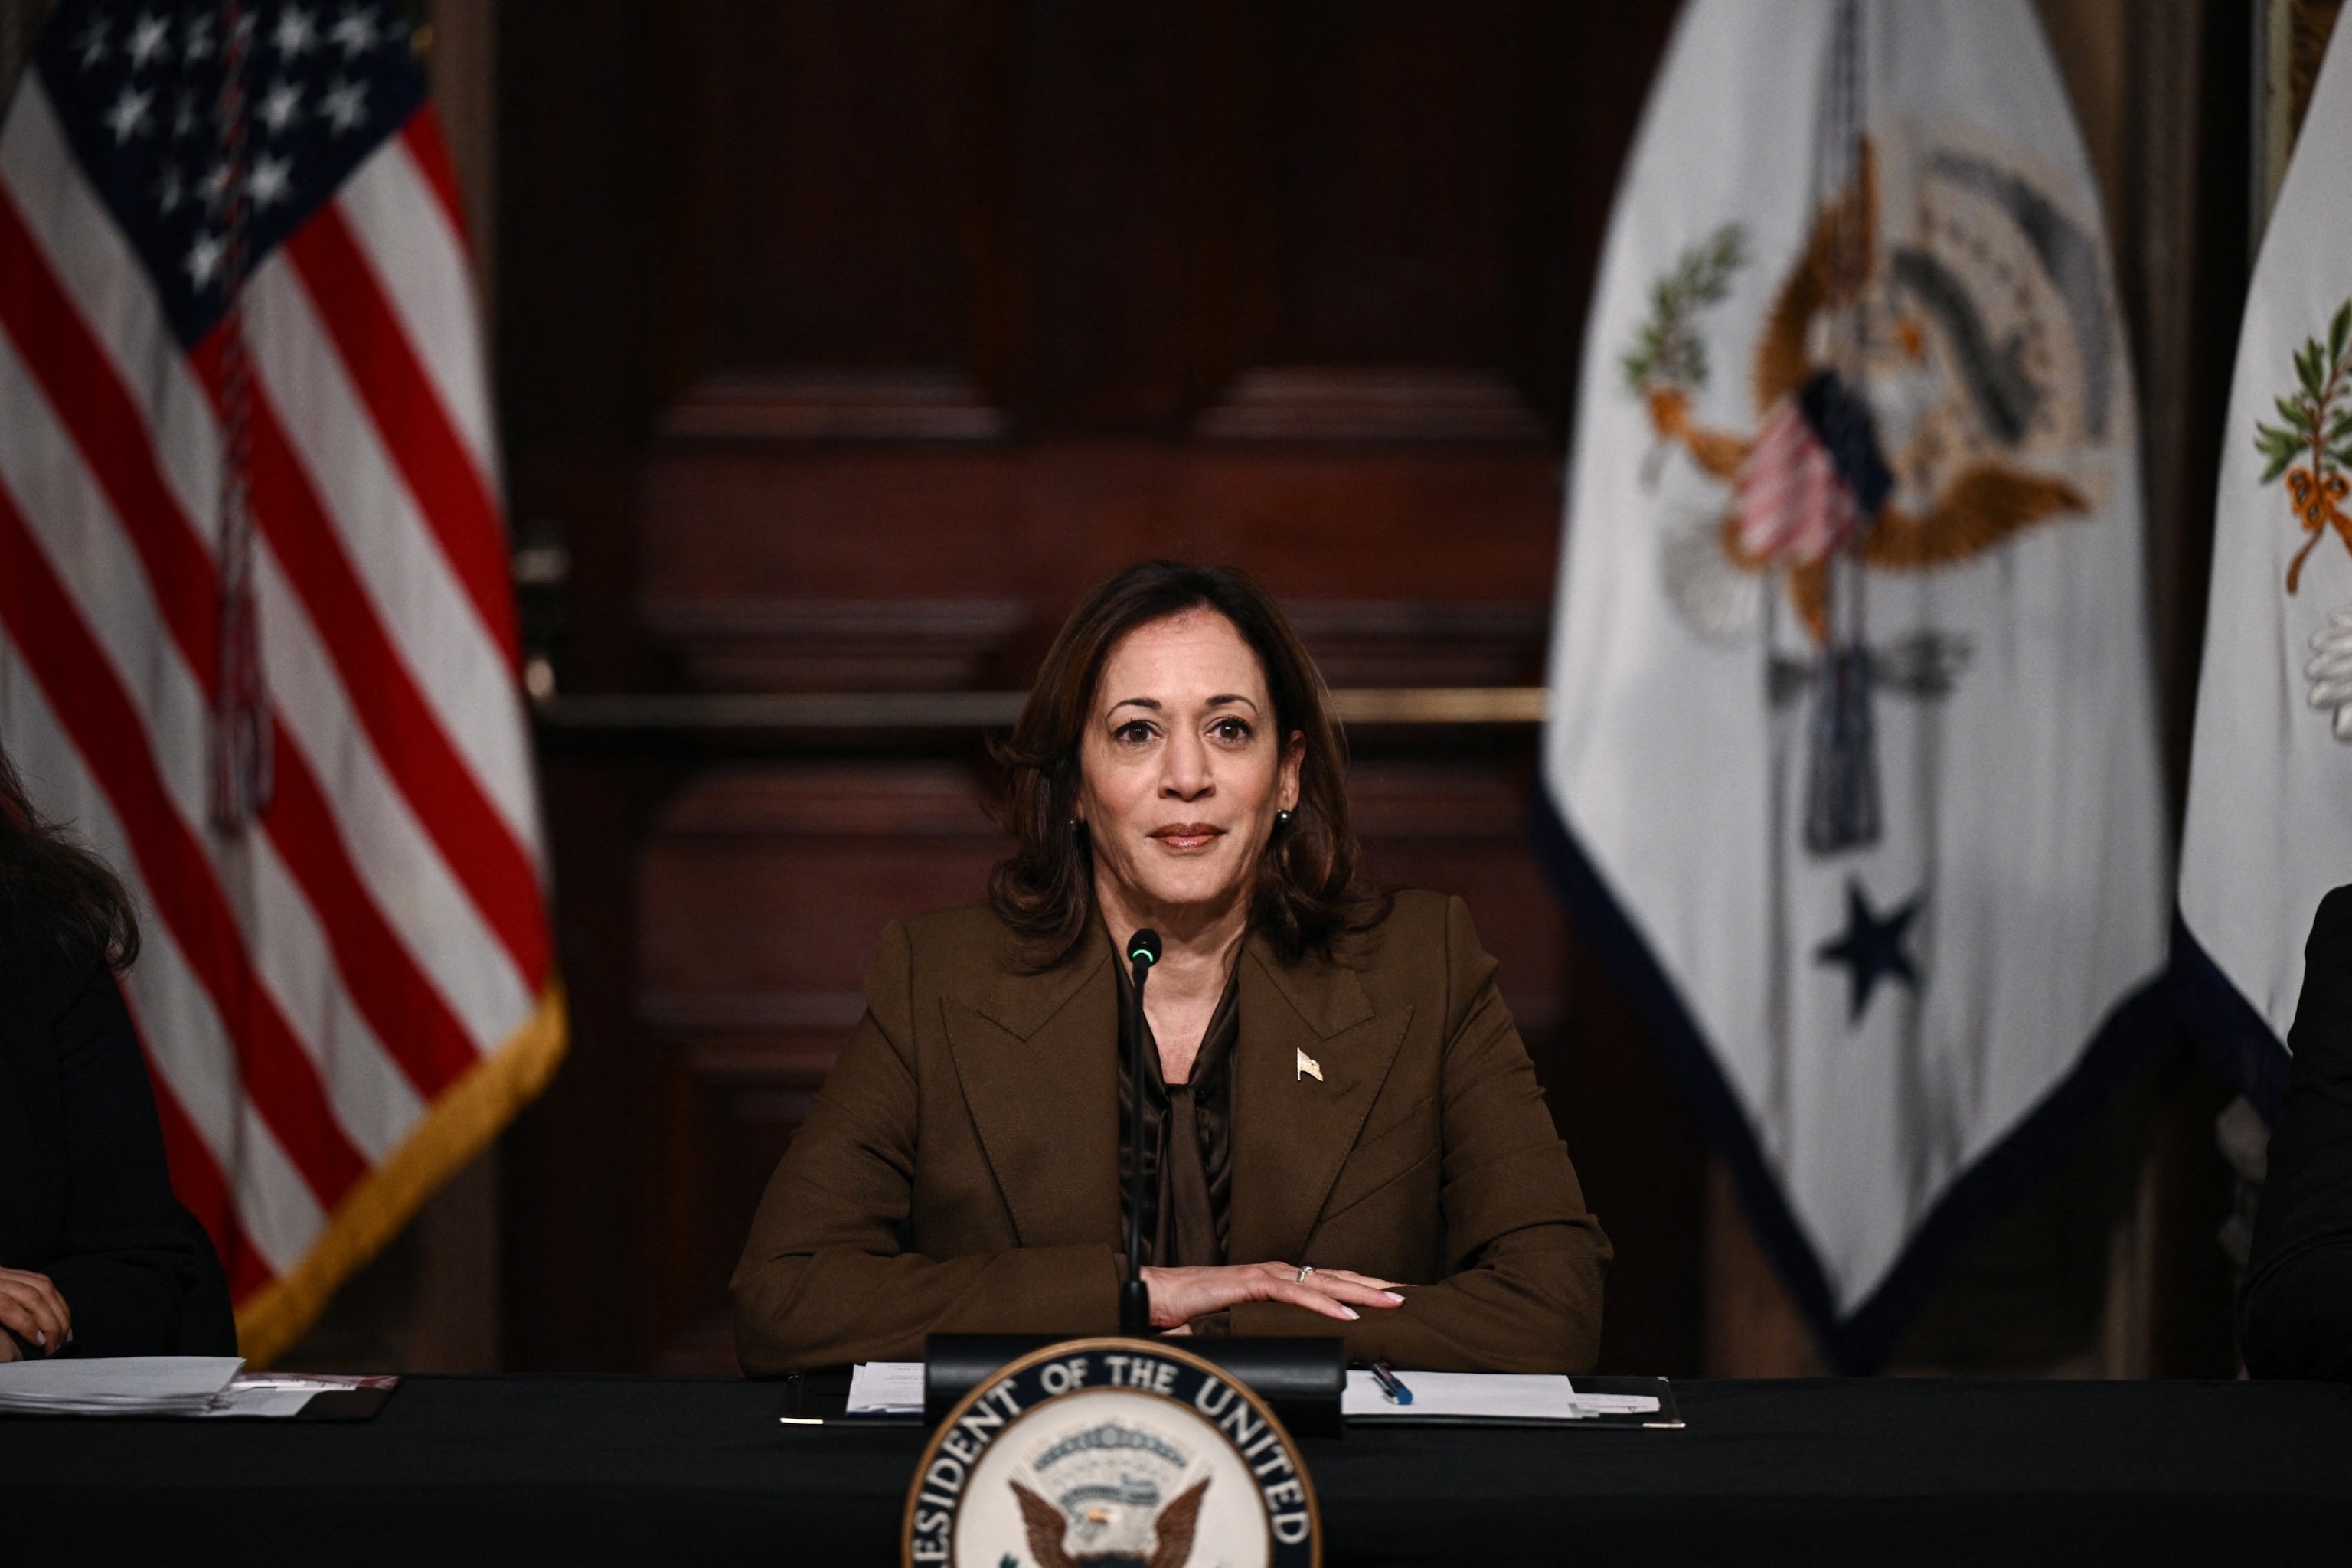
(576, 1470)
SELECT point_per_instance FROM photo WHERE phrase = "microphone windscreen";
(1143, 947)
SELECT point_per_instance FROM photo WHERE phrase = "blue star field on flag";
(138, 91)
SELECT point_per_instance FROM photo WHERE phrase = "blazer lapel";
(1038, 1064)
(1292, 1133)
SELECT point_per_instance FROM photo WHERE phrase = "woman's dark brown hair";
(1307, 889)
(45, 878)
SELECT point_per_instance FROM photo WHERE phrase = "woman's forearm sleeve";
(1525, 1260)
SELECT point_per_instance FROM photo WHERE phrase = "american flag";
(1789, 499)
(243, 412)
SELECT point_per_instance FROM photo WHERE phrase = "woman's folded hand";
(31, 1307)
(1181, 1295)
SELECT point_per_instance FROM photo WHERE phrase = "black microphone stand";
(1134, 1297)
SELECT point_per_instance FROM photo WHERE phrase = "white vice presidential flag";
(1850, 757)
(2270, 785)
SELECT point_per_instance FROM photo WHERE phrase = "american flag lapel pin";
(1309, 1067)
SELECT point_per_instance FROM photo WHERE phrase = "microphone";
(1135, 1297)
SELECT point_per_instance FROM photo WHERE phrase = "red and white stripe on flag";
(345, 1001)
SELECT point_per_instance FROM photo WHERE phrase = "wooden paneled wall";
(844, 346)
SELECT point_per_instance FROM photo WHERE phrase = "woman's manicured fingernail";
(1350, 1311)
(1393, 1297)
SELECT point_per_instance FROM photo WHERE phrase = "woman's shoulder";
(44, 967)
(969, 955)
(1423, 954)
(1421, 933)
(951, 950)
(1417, 925)
(973, 931)
(1425, 941)
(2331, 923)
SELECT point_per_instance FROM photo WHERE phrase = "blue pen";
(1390, 1384)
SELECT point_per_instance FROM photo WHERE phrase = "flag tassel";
(1842, 782)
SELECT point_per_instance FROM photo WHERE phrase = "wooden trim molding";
(1390, 643)
(835, 645)
(950, 645)
(1303, 403)
(834, 405)
(689, 1016)
(828, 800)
(752, 714)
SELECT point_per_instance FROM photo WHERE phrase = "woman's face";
(1179, 770)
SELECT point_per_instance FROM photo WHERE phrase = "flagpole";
(239, 737)
(1842, 804)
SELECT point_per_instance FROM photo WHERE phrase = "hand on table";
(1181, 1295)
(31, 1307)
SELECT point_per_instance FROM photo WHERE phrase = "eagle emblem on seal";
(1111, 1453)
(1111, 1525)
(1925, 389)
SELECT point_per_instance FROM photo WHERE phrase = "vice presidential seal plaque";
(1112, 1451)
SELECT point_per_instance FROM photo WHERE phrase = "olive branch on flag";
(1667, 351)
(2318, 426)
(1667, 360)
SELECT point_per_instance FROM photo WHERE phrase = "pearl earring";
(1282, 819)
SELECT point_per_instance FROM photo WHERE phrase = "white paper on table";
(1498, 1395)
(1616, 1403)
(259, 1399)
(885, 1388)
(276, 1395)
(116, 1385)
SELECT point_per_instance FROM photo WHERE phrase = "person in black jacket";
(97, 1257)
(2295, 1311)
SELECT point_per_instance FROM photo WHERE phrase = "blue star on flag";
(1872, 948)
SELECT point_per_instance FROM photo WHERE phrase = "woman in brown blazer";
(1344, 1134)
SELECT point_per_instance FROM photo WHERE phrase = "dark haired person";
(1345, 1134)
(2294, 1311)
(96, 1256)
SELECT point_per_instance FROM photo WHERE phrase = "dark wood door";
(843, 346)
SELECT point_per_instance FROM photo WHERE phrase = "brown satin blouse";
(1187, 1144)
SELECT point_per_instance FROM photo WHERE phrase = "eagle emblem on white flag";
(2268, 828)
(1849, 762)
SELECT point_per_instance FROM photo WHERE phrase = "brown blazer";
(958, 1174)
